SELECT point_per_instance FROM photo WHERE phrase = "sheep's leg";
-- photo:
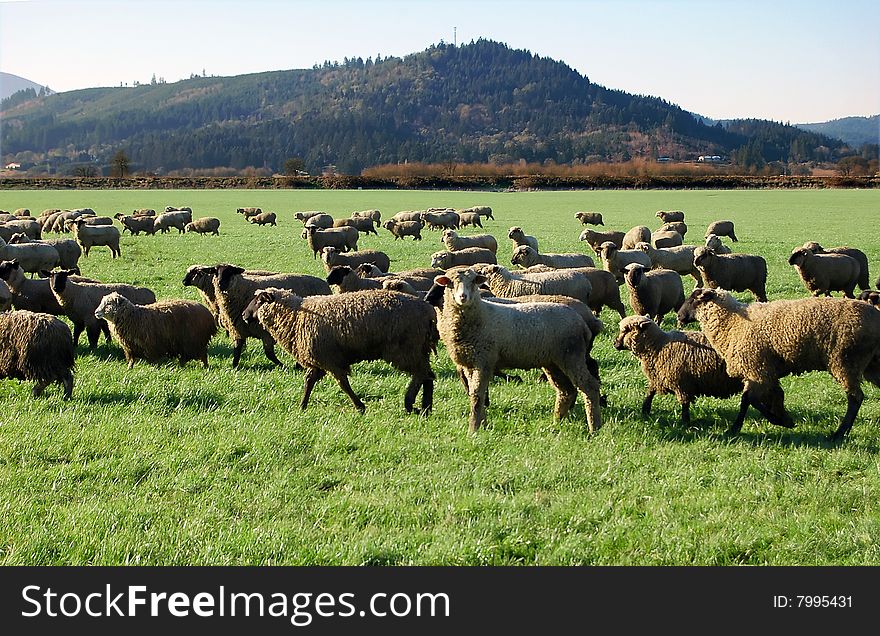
(342, 379)
(741, 416)
(68, 385)
(412, 390)
(269, 349)
(479, 388)
(566, 394)
(589, 387)
(105, 329)
(237, 347)
(77, 331)
(853, 404)
(771, 404)
(685, 411)
(646, 403)
(428, 395)
(93, 332)
(312, 377)
(39, 387)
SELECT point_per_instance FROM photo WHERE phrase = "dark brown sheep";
(37, 348)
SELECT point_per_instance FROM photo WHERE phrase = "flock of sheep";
(489, 318)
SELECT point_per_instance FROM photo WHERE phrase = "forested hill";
(478, 102)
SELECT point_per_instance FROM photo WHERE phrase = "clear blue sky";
(787, 60)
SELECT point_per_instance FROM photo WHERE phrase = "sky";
(797, 61)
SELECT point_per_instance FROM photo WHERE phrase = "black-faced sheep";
(565, 282)
(137, 224)
(683, 364)
(305, 216)
(30, 227)
(144, 212)
(467, 256)
(722, 228)
(36, 347)
(653, 292)
(666, 238)
(589, 218)
(441, 220)
(204, 225)
(344, 280)
(330, 256)
(89, 236)
(248, 212)
(469, 218)
(670, 216)
(328, 334)
(29, 294)
(175, 328)
(852, 252)
(202, 278)
(419, 279)
(519, 237)
(368, 214)
(825, 273)
(525, 256)
(408, 215)
(361, 224)
(483, 337)
(679, 259)
(871, 296)
(596, 239)
(234, 289)
(615, 260)
(264, 218)
(764, 342)
(714, 243)
(404, 228)
(454, 242)
(482, 210)
(736, 272)
(638, 234)
(343, 239)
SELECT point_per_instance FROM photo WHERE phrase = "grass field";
(168, 465)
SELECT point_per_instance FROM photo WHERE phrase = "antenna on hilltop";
(454, 36)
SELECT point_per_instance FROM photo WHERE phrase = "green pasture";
(166, 465)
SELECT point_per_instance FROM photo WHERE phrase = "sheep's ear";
(643, 324)
(443, 281)
(479, 280)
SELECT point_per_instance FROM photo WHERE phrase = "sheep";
(680, 363)
(518, 237)
(30, 227)
(47, 222)
(144, 212)
(589, 218)
(852, 252)
(342, 238)
(185, 208)
(204, 225)
(525, 256)
(824, 273)
(327, 334)
(32, 257)
(615, 259)
(38, 348)
(454, 242)
(408, 215)
(89, 236)
(564, 282)
(80, 299)
(638, 234)
(736, 272)
(202, 278)
(234, 289)
(653, 292)
(248, 212)
(596, 239)
(400, 285)
(137, 224)
(870, 296)
(68, 250)
(49, 211)
(177, 219)
(470, 218)
(679, 259)
(714, 243)
(675, 226)
(264, 218)
(663, 238)
(174, 328)
(441, 220)
(97, 220)
(722, 228)
(305, 216)
(344, 279)
(764, 342)
(419, 279)
(482, 210)
(467, 256)
(368, 214)
(482, 337)
(669, 216)
(30, 294)
(404, 228)
(330, 256)
(361, 224)
(22, 212)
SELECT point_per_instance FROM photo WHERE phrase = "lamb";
(679, 259)
(852, 252)
(663, 238)
(764, 342)
(330, 256)
(669, 216)
(204, 225)
(482, 337)
(177, 219)
(525, 256)
(234, 289)
(589, 218)
(454, 242)
(368, 214)
(80, 299)
(520, 238)
(32, 257)
(342, 238)
(202, 278)
(638, 234)
(470, 218)
(327, 334)
(175, 328)
(248, 212)
(736, 272)
(653, 292)
(675, 226)
(447, 219)
(714, 243)
(361, 224)
(408, 215)
(404, 228)
(137, 224)
(482, 210)
(596, 239)
(90, 236)
(467, 256)
(263, 218)
(38, 348)
(615, 260)
(564, 282)
(824, 273)
(68, 250)
(722, 228)
(680, 363)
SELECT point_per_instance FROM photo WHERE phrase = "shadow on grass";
(202, 401)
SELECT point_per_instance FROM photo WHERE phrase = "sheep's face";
(702, 255)
(388, 225)
(261, 297)
(872, 297)
(633, 273)
(338, 274)
(798, 257)
(713, 242)
(515, 233)
(699, 297)
(109, 307)
(521, 256)
(631, 329)
(198, 276)
(644, 247)
(10, 271)
(813, 246)
(464, 286)
(607, 250)
(225, 275)
(440, 260)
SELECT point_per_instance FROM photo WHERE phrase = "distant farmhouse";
(709, 158)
